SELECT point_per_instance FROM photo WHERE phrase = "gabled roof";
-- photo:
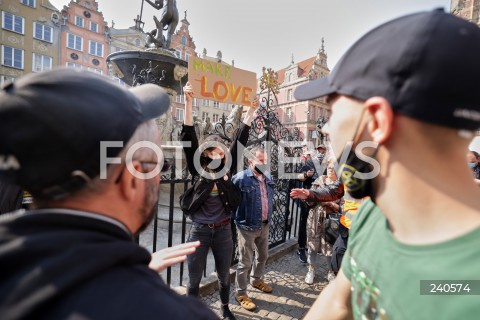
(304, 68)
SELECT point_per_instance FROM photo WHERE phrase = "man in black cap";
(402, 93)
(74, 256)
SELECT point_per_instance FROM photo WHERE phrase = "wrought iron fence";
(170, 226)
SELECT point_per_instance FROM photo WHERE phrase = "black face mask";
(215, 165)
(356, 186)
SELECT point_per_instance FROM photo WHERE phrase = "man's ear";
(129, 184)
(380, 122)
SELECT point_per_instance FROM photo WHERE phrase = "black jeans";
(302, 226)
(220, 241)
(338, 250)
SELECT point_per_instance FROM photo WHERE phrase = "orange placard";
(220, 82)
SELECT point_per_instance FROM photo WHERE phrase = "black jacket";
(55, 265)
(230, 195)
(10, 197)
(309, 165)
(330, 192)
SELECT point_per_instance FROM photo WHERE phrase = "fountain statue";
(159, 65)
(156, 64)
(168, 23)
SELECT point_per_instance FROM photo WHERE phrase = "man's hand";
(310, 173)
(299, 194)
(167, 257)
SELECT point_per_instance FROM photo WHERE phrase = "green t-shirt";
(385, 274)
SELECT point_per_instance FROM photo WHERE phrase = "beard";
(150, 204)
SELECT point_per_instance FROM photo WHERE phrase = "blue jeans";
(220, 241)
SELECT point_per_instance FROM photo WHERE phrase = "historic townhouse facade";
(85, 37)
(466, 9)
(29, 37)
(302, 114)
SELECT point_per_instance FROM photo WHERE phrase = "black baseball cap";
(52, 123)
(425, 64)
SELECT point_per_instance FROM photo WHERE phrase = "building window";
(30, 3)
(13, 23)
(311, 113)
(179, 98)
(93, 26)
(215, 117)
(179, 114)
(12, 57)
(87, 4)
(215, 104)
(4, 79)
(94, 70)
(184, 40)
(289, 114)
(290, 76)
(42, 32)
(79, 21)
(96, 48)
(138, 43)
(289, 95)
(186, 56)
(41, 63)
(73, 65)
(206, 103)
(194, 102)
(194, 113)
(178, 54)
(74, 42)
(204, 116)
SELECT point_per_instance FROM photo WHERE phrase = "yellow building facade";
(30, 37)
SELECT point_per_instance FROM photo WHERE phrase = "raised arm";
(188, 94)
(188, 131)
(331, 192)
(251, 112)
(241, 137)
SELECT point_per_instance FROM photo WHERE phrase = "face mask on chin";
(357, 187)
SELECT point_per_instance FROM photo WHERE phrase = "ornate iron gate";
(266, 130)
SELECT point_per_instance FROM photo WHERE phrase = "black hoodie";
(63, 264)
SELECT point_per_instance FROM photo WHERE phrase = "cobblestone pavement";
(291, 297)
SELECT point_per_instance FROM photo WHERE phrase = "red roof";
(305, 66)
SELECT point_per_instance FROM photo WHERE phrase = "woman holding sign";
(212, 199)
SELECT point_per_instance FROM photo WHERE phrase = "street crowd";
(401, 87)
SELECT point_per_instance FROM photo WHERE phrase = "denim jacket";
(249, 214)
